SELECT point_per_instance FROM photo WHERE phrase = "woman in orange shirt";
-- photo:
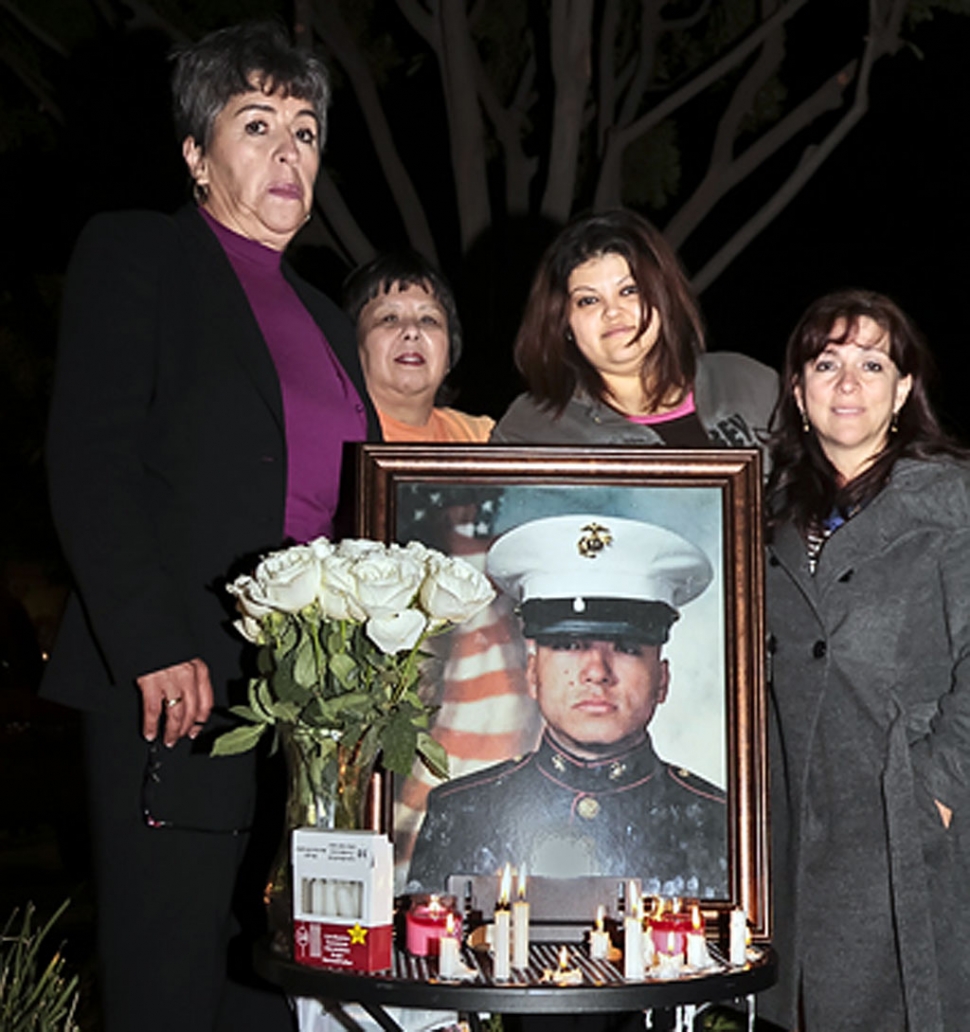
(409, 338)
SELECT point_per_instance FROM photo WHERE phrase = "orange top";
(446, 425)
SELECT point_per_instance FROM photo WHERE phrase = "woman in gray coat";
(612, 349)
(868, 583)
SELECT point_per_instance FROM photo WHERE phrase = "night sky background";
(887, 211)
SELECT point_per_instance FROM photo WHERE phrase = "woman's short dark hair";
(804, 485)
(231, 61)
(400, 270)
(545, 350)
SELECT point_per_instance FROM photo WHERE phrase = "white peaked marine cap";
(592, 574)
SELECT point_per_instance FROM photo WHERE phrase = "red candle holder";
(426, 922)
(669, 932)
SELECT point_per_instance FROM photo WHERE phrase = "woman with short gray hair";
(203, 397)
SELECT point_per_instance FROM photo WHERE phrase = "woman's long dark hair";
(804, 485)
(545, 350)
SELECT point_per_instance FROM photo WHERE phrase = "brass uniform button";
(588, 808)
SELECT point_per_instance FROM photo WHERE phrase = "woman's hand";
(946, 814)
(184, 692)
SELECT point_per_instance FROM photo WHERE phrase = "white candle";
(501, 943)
(501, 969)
(634, 896)
(649, 949)
(697, 953)
(449, 956)
(633, 966)
(520, 927)
(599, 940)
(739, 938)
(669, 965)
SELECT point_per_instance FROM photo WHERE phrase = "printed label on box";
(342, 899)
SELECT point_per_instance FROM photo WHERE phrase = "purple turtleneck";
(321, 408)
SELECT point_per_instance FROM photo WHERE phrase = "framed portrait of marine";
(604, 717)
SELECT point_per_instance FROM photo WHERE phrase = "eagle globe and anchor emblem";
(595, 538)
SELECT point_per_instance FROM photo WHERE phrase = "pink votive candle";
(427, 921)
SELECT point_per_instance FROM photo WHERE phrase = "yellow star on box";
(358, 935)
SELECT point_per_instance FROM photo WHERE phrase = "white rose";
(355, 548)
(321, 547)
(414, 550)
(338, 590)
(455, 591)
(386, 584)
(249, 598)
(397, 631)
(250, 629)
(289, 580)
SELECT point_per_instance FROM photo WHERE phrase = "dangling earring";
(894, 425)
(806, 426)
(200, 191)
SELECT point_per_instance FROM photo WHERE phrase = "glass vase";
(350, 800)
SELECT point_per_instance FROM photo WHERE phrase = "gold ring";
(173, 702)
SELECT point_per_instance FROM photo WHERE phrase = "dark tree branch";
(421, 21)
(509, 129)
(608, 190)
(41, 35)
(570, 40)
(649, 25)
(606, 71)
(457, 58)
(34, 82)
(885, 20)
(715, 182)
(354, 245)
(689, 20)
(334, 31)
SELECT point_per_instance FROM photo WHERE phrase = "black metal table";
(413, 982)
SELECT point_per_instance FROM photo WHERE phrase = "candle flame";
(695, 918)
(676, 904)
(563, 958)
(450, 924)
(599, 918)
(505, 886)
(522, 876)
(434, 905)
(671, 942)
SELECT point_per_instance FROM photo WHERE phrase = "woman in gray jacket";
(611, 347)
(868, 590)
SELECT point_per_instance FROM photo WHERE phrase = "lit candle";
(520, 926)
(668, 930)
(737, 953)
(425, 923)
(501, 969)
(633, 962)
(599, 940)
(697, 952)
(449, 945)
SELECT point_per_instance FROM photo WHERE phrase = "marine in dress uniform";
(597, 596)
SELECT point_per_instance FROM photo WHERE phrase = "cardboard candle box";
(342, 899)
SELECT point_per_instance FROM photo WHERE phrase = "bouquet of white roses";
(340, 630)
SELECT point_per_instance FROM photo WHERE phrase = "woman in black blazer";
(203, 398)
